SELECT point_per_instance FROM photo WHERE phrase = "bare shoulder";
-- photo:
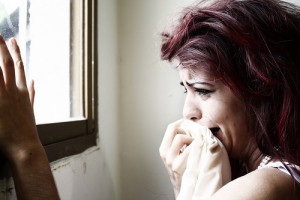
(263, 184)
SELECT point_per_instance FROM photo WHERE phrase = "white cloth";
(208, 166)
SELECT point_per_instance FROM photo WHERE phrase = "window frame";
(72, 137)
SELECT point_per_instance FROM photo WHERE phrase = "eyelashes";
(201, 92)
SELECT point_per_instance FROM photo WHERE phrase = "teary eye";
(203, 91)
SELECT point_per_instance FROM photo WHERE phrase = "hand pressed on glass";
(17, 123)
(19, 140)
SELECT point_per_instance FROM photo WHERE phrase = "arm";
(19, 141)
(263, 184)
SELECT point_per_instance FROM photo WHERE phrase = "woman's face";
(211, 103)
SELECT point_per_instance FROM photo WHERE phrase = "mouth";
(215, 131)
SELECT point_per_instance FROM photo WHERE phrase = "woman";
(240, 66)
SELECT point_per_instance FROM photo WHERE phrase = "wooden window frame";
(72, 137)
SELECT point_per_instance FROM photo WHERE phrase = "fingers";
(173, 154)
(19, 67)
(195, 157)
(7, 64)
(179, 142)
(172, 130)
(178, 164)
(13, 73)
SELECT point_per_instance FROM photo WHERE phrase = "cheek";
(236, 118)
(218, 111)
(231, 117)
(237, 126)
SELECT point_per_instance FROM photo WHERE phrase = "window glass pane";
(49, 34)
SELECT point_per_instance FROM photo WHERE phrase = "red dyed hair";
(253, 46)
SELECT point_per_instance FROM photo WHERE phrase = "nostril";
(193, 118)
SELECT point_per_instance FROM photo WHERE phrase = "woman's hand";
(19, 141)
(174, 151)
(17, 124)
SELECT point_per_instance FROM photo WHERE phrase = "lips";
(214, 129)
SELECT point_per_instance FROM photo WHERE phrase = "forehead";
(195, 74)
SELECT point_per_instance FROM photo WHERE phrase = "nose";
(191, 109)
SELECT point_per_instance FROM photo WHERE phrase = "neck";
(254, 159)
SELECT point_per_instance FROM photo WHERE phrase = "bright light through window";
(51, 50)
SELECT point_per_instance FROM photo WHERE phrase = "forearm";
(32, 174)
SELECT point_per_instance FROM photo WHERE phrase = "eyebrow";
(195, 83)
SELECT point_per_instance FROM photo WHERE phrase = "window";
(57, 40)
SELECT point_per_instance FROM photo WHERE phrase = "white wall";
(151, 97)
(108, 75)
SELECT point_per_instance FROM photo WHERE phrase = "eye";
(203, 91)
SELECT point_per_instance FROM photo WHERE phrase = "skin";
(212, 104)
(19, 141)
